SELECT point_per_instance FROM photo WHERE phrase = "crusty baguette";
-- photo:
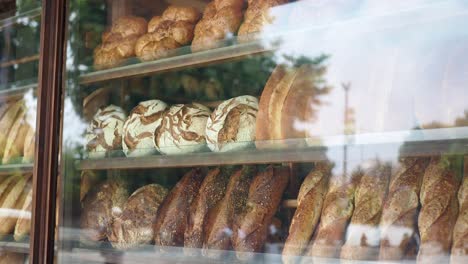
(16, 138)
(211, 192)
(6, 123)
(219, 222)
(251, 226)
(134, 226)
(100, 205)
(12, 203)
(337, 210)
(171, 222)
(460, 230)
(29, 145)
(398, 223)
(23, 225)
(362, 240)
(309, 207)
(439, 210)
(262, 132)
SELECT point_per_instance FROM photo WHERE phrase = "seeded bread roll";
(256, 17)
(211, 192)
(219, 222)
(439, 210)
(362, 239)
(338, 207)
(172, 218)
(306, 217)
(173, 29)
(460, 231)
(23, 225)
(104, 134)
(134, 226)
(118, 44)
(231, 126)
(138, 129)
(221, 19)
(398, 224)
(100, 205)
(251, 226)
(13, 199)
(182, 129)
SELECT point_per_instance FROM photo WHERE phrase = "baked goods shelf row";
(7, 243)
(403, 143)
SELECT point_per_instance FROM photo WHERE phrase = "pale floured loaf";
(138, 129)
(104, 134)
(182, 129)
(231, 126)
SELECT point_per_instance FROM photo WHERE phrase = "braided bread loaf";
(398, 222)
(306, 217)
(173, 29)
(438, 212)
(220, 18)
(118, 44)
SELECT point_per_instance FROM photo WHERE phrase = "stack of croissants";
(180, 26)
(416, 209)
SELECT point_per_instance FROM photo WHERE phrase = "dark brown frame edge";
(52, 50)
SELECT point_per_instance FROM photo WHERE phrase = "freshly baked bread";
(309, 207)
(11, 200)
(87, 181)
(7, 121)
(287, 101)
(221, 18)
(138, 129)
(256, 17)
(135, 224)
(182, 129)
(337, 209)
(100, 205)
(16, 138)
(104, 133)
(251, 226)
(398, 224)
(439, 210)
(460, 230)
(211, 192)
(362, 239)
(7, 257)
(29, 145)
(173, 29)
(231, 126)
(172, 218)
(23, 225)
(219, 222)
(118, 44)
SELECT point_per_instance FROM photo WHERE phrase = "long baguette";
(251, 226)
(439, 210)
(306, 217)
(362, 241)
(23, 226)
(337, 210)
(398, 224)
(12, 204)
(460, 231)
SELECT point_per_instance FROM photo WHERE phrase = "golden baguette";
(398, 224)
(460, 230)
(439, 210)
(23, 225)
(29, 146)
(15, 142)
(6, 123)
(14, 200)
(362, 240)
(337, 210)
(306, 217)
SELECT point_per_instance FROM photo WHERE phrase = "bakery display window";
(19, 55)
(269, 131)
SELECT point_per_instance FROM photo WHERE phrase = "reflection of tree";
(459, 122)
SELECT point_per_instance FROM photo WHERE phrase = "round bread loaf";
(138, 129)
(231, 126)
(104, 134)
(182, 129)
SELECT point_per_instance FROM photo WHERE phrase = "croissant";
(221, 18)
(167, 32)
(119, 43)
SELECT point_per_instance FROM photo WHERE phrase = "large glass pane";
(19, 56)
(265, 131)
